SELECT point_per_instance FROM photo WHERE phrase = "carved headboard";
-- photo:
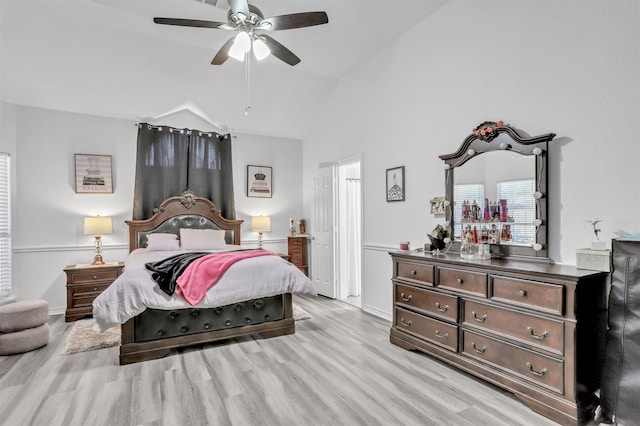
(184, 211)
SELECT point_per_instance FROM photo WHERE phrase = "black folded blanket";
(166, 271)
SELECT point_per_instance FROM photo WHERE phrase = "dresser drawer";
(92, 276)
(536, 295)
(537, 331)
(463, 281)
(430, 302)
(529, 365)
(432, 330)
(421, 274)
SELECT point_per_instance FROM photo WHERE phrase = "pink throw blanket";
(204, 272)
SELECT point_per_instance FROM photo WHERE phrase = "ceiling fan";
(248, 20)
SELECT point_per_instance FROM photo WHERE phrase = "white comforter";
(135, 290)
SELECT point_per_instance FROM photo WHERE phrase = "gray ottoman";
(23, 326)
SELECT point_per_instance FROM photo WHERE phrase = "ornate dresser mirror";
(496, 188)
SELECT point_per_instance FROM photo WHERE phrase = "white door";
(323, 233)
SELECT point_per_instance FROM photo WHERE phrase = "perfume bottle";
(487, 213)
(503, 210)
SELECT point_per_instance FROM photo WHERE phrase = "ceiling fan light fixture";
(260, 49)
(241, 45)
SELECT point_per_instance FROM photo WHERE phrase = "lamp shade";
(260, 223)
(98, 225)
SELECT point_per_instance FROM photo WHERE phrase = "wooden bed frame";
(191, 211)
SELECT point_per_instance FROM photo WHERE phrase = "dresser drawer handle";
(441, 336)
(445, 309)
(459, 281)
(483, 318)
(536, 373)
(95, 277)
(405, 323)
(481, 350)
(406, 298)
(523, 293)
(541, 337)
(95, 289)
(413, 272)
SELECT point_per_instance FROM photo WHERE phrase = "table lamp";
(98, 226)
(260, 224)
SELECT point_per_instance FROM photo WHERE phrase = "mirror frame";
(483, 139)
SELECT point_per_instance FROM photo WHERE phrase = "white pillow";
(156, 236)
(202, 239)
(163, 244)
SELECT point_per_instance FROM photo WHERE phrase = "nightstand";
(298, 252)
(84, 284)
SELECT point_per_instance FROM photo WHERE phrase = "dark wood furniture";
(139, 340)
(535, 329)
(298, 252)
(490, 138)
(85, 283)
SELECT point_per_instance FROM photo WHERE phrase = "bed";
(253, 297)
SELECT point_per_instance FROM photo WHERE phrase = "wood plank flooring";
(338, 369)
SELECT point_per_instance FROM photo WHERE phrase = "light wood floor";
(338, 369)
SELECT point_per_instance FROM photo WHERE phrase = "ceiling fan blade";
(223, 53)
(190, 23)
(295, 20)
(239, 6)
(279, 51)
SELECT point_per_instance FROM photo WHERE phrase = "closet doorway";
(349, 235)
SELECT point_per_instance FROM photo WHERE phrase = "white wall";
(569, 68)
(48, 214)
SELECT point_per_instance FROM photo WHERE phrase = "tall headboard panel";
(184, 211)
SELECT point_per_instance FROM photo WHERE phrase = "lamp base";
(97, 260)
(259, 239)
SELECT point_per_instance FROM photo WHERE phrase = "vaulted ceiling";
(107, 57)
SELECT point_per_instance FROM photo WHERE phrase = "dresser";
(535, 329)
(298, 252)
(84, 284)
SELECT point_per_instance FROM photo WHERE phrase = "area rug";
(85, 334)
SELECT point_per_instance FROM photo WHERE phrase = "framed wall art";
(395, 184)
(437, 205)
(93, 174)
(259, 181)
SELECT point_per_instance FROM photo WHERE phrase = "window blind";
(470, 192)
(522, 208)
(5, 226)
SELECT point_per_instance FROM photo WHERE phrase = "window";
(470, 192)
(5, 226)
(521, 207)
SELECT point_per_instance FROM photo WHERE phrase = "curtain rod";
(188, 131)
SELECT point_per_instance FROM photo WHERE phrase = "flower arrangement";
(487, 131)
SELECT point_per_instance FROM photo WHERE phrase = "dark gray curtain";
(170, 161)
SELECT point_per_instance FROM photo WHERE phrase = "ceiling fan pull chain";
(247, 76)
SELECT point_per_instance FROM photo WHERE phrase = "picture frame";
(259, 181)
(93, 174)
(437, 206)
(395, 184)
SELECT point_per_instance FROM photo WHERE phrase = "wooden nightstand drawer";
(94, 275)
(541, 296)
(84, 284)
(429, 302)
(463, 281)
